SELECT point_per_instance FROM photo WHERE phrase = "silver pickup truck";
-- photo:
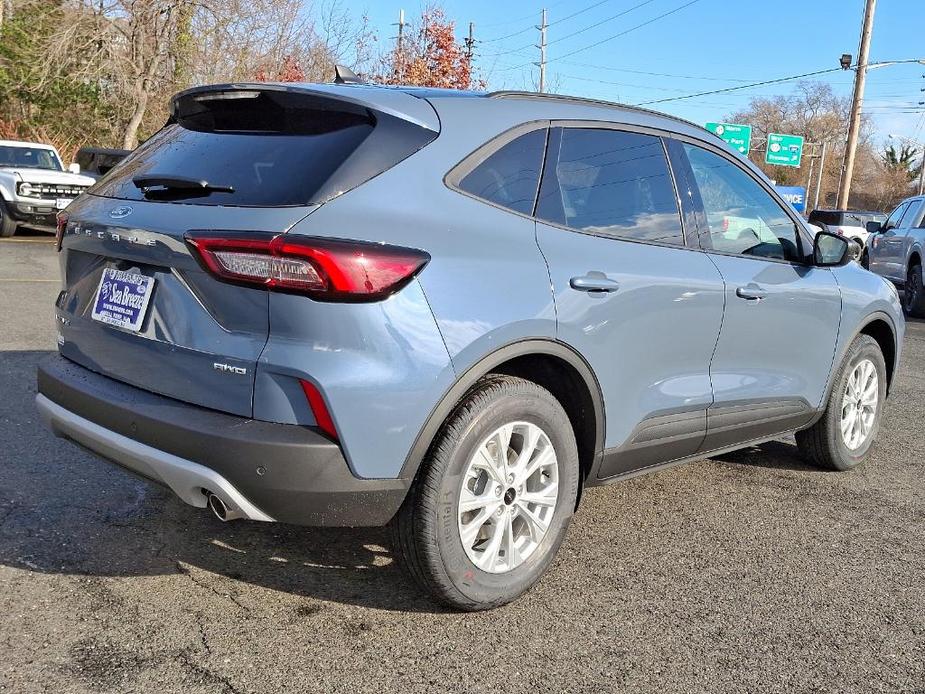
(894, 251)
(34, 186)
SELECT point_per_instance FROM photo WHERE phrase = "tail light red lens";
(327, 269)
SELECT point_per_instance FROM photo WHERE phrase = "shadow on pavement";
(62, 510)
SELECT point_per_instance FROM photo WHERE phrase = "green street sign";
(739, 137)
(784, 150)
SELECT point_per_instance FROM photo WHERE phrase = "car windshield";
(29, 158)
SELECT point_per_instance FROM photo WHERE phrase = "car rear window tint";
(611, 183)
(273, 148)
(510, 176)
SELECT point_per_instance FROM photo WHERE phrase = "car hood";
(46, 176)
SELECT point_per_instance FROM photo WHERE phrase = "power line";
(655, 74)
(530, 16)
(624, 33)
(603, 21)
(743, 86)
(609, 38)
(558, 21)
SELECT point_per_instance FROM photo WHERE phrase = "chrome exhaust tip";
(221, 510)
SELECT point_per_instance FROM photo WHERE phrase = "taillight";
(326, 269)
(725, 223)
(60, 226)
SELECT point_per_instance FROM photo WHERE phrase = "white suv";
(34, 185)
(849, 223)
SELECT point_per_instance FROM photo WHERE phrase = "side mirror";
(74, 168)
(832, 250)
(874, 227)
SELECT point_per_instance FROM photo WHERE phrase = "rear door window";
(510, 176)
(612, 183)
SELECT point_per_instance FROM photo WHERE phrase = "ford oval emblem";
(120, 212)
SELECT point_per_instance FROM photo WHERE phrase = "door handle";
(596, 282)
(751, 292)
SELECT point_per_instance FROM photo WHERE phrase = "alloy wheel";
(859, 404)
(508, 497)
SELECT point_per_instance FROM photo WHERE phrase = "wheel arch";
(881, 329)
(549, 363)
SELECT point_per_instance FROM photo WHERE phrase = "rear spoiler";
(381, 101)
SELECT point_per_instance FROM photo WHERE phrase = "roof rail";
(508, 94)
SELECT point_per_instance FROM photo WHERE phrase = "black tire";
(822, 444)
(865, 259)
(425, 535)
(7, 224)
(914, 292)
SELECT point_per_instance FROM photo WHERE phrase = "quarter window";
(612, 183)
(510, 176)
(742, 217)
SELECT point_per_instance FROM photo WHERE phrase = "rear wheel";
(7, 223)
(914, 294)
(494, 498)
(842, 438)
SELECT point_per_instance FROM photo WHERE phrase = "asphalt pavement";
(749, 573)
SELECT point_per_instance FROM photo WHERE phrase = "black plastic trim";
(293, 473)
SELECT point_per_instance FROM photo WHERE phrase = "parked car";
(850, 223)
(895, 252)
(34, 186)
(96, 162)
(450, 313)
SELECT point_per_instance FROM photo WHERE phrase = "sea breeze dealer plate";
(122, 298)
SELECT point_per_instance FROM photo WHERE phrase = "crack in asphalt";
(185, 659)
(202, 584)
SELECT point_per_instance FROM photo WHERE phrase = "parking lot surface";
(749, 573)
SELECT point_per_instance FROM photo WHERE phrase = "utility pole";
(542, 64)
(922, 172)
(809, 178)
(399, 46)
(819, 180)
(854, 123)
(470, 42)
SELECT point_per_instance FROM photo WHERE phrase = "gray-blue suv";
(449, 313)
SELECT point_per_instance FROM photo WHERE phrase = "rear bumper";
(260, 470)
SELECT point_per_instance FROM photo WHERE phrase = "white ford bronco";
(34, 186)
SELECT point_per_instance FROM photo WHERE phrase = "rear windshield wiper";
(176, 186)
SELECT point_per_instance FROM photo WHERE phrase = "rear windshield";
(260, 149)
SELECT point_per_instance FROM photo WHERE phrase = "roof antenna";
(344, 75)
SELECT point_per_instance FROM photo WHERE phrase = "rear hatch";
(137, 305)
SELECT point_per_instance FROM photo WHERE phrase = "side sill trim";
(186, 478)
(657, 467)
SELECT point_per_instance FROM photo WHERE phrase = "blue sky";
(709, 44)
